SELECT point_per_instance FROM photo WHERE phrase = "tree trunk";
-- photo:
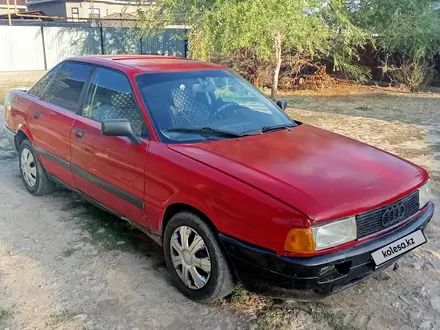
(277, 66)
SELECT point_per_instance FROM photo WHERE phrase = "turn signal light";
(299, 240)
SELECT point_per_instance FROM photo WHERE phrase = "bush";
(415, 74)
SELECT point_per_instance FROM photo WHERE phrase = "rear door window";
(38, 89)
(65, 88)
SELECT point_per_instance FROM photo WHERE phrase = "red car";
(211, 169)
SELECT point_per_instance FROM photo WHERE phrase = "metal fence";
(41, 47)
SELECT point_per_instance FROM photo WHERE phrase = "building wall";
(105, 8)
(4, 8)
(50, 8)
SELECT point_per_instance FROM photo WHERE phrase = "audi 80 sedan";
(215, 172)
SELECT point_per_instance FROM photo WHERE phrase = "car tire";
(32, 172)
(220, 281)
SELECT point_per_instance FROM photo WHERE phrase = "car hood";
(322, 174)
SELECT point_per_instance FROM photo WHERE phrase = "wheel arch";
(23, 133)
(19, 138)
(176, 208)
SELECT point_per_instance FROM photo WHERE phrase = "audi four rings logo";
(393, 214)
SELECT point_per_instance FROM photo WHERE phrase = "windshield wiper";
(272, 128)
(206, 131)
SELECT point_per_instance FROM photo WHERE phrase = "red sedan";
(211, 169)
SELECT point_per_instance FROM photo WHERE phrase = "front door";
(110, 169)
(53, 115)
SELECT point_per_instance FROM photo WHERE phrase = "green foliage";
(224, 27)
(408, 27)
(4, 315)
(416, 73)
(408, 32)
(312, 29)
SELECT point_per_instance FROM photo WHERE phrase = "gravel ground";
(67, 265)
(64, 264)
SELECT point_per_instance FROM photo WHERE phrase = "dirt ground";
(66, 265)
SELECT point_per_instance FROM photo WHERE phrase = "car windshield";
(193, 106)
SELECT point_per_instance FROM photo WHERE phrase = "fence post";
(185, 48)
(44, 48)
(102, 40)
(140, 41)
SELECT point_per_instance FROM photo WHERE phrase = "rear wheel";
(195, 260)
(34, 176)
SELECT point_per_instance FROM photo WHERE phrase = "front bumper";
(10, 135)
(264, 272)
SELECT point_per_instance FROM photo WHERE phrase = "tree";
(407, 31)
(306, 27)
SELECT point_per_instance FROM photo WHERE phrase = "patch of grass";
(4, 315)
(240, 295)
(111, 233)
(296, 100)
(364, 108)
(272, 319)
(243, 300)
(68, 252)
(334, 320)
(56, 319)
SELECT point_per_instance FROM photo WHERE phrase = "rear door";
(53, 114)
(110, 169)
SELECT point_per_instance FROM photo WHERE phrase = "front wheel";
(33, 174)
(195, 260)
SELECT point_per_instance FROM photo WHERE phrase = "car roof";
(148, 63)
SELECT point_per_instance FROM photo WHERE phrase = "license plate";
(398, 247)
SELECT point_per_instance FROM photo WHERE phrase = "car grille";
(372, 222)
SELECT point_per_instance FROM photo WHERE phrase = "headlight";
(334, 233)
(424, 194)
(320, 237)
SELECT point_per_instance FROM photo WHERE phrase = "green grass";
(68, 252)
(364, 108)
(272, 318)
(56, 319)
(277, 317)
(240, 295)
(296, 100)
(4, 316)
(108, 232)
(334, 320)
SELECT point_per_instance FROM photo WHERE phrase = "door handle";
(79, 133)
(36, 115)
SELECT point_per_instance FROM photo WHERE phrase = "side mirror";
(119, 127)
(282, 104)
